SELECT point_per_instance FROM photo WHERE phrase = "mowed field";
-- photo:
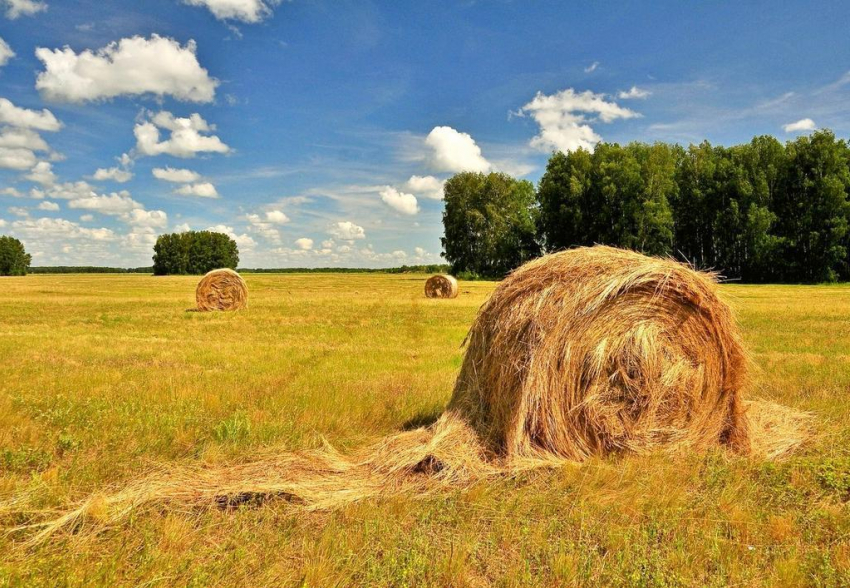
(102, 377)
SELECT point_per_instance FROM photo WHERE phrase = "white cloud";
(14, 193)
(19, 159)
(14, 138)
(183, 228)
(563, 122)
(42, 173)
(346, 231)
(304, 243)
(634, 92)
(130, 67)
(277, 217)
(592, 67)
(2, 223)
(27, 119)
(400, 201)
(243, 241)
(61, 229)
(139, 217)
(425, 186)
(186, 138)
(804, 124)
(67, 191)
(115, 203)
(51, 206)
(247, 11)
(86, 218)
(115, 174)
(170, 174)
(18, 211)
(6, 53)
(263, 227)
(453, 151)
(202, 190)
(16, 8)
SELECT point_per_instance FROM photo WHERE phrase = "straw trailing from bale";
(222, 289)
(441, 286)
(593, 351)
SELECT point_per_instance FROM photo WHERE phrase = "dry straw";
(593, 351)
(222, 289)
(442, 286)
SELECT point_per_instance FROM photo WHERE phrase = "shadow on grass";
(423, 419)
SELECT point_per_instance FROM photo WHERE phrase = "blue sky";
(319, 133)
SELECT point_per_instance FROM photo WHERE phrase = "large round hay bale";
(222, 289)
(441, 286)
(598, 350)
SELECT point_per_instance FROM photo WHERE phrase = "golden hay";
(598, 350)
(442, 286)
(592, 351)
(222, 289)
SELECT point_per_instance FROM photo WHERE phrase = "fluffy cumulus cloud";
(247, 11)
(17, 159)
(564, 118)
(42, 173)
(177, 176)
(114, 204)
(48, 206)
(6, 53)
(189, 136)
(453, 151)
(346, 231)
(266, 225)
(116, 174)
(24, 118)
(304, 243)
(201, 190)
(425, 186)
(12, 138)
(276, 217)
(59, 229)
(139, 217)
(633, 93)
(130, 67)
(804, 124)
(399, 201)
(243, 241)
(16, 8)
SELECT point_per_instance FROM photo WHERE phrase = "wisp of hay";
(441, 286)
(222, 289)
(592, 351)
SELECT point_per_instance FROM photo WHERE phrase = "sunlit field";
(103, 377)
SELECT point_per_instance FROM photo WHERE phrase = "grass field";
(103, 376)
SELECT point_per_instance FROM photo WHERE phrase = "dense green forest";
(194, 252)
(758, 212)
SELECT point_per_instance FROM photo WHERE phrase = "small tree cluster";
(14, 260)
(194, 252)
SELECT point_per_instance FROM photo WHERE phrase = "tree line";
(759, 212)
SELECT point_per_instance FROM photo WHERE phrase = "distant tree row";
(193, 252)
(762, 211)
(14, 260)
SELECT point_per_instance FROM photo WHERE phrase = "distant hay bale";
(222, 289)
(594, 351)
(441, 286)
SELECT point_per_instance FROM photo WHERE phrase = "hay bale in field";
(592, 351)
(222, 289)
(599, 350)
(441, 286)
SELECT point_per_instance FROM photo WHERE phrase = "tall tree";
(194, 252)
(14, 260)
(489, 223)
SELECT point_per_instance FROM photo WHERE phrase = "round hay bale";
(598, 350)
(222, 289)
(441, 286)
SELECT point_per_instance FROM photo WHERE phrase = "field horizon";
(105, 377)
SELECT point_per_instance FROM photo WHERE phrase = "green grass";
(102, 376)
